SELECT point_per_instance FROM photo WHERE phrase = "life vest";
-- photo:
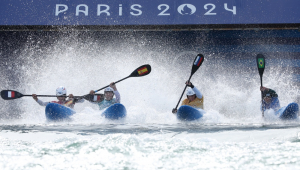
(67, 103)
(197, 103)
(274, 104)
(106, 103)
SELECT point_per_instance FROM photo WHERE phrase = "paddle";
(139, 72)
(196, 64)
(11, 94)
(260, 60)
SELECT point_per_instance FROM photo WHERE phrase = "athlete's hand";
(34, 97)
(262, 88)
(174, 111)
(113, 86)
(92, 92)
(190, 84)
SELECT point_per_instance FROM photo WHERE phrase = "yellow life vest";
(197, 103)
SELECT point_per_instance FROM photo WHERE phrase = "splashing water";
(150, 137)
(85, 61)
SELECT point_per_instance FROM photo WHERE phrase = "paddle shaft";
(47, 95)
(183, 91)
(262, 103)
(140, 71)
(260, 60)
(114, 82)
(78, 96)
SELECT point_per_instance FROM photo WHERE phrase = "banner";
(146, 12)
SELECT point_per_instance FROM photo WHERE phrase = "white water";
(232, 134)
(149, 146)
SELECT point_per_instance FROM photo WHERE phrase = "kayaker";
(109, 93)
(194, 97)
(61, 94)
(270, 99)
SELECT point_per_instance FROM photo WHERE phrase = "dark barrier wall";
(282, 47)
(154, 12)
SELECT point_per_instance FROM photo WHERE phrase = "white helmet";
(108, 89)
(190, 91)
(61, 91)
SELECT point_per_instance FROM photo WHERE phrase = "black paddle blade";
(197, 63)
(260, 60)
(141, 71)
(94, 98)
(10, 94)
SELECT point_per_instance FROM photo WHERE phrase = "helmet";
(270, 93)
(190, 91)
(60, 91)
(108, 89)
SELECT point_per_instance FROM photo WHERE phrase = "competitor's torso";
(106, 103)
(197, 103)
(274, 104)
(67, 103)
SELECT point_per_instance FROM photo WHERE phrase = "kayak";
(289, 112)
(115, 111)
(189, 113)
(57, 112)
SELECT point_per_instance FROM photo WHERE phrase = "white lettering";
(209, 12)
(85, 11)
(165, 10)
(136, 9)
(120, 9)
(139, 11)
(233, 10)
(57, 11)
(104, 11)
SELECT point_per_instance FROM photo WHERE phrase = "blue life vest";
(274, 104)
(106, 103)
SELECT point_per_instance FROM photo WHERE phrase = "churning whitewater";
(231, 135)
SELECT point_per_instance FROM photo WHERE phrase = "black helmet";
(270, 93)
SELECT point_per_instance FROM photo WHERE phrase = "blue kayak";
(188, 113)
(57, 112)
(115, 111)
(289, 112)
